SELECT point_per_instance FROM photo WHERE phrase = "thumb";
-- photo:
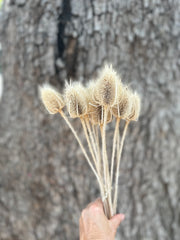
(116, 220)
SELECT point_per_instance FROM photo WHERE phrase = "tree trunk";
(45, 181)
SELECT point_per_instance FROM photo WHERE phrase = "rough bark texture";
(44, 179)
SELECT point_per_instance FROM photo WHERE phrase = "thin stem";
(105, 162)
(118, 164)
(93, 140)
(117, 169)
(116, 133)
(96, 136)
(93, 156)
(104, 166)
(95, 143)
(80, 143)
(104, 199)
(88, 141)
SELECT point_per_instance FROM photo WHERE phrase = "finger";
(96, 206)
(116, 220)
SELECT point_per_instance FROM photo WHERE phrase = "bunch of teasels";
(96, 105)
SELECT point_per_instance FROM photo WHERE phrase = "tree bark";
(45, 181)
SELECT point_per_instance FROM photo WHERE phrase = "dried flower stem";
(93, 140)
(88, 141)
(116, 133)
(80, 143)
(119, 152)
(93, 156)
(105, 163)
(96, 137)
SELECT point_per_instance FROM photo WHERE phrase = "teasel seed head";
(106, 87)
(120, 91)
(90, 94)
(135, 108)
(122, 107)
(95, 110)
(52, 100)
(96, 115)
(76, 100)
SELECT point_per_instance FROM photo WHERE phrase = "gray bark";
(45, 181)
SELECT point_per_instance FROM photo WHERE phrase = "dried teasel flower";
(53, 101)
(90, 94)
(135, 108)
(76, 100)
(120, 90)
(106, 87)
(95, 110)
(123, 105)
(97, 115)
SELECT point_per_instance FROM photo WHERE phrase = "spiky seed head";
(97, 115)
(122, 108)
(95, 110)
(52, 100)
(90, 94)
(91, 98)
(135, 108)
(76, 100)
(120, 91)
(106, 87)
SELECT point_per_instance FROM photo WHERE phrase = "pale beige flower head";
(106, 87)
(90, 94)
(97, 115)
(52, 100)
(120, 91)
(122, 108)
(95, 110)
(135, 108)
(76, 100)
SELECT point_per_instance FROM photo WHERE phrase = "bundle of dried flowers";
(97, 105)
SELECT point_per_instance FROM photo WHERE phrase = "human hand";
(94, 225)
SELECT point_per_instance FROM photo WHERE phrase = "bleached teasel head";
(76, 100)
(97, 115)
(135, 108)
(52, 100)
(106, 87)
(95, 110)
(120, 91)
(122, 108)
(90, 89)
